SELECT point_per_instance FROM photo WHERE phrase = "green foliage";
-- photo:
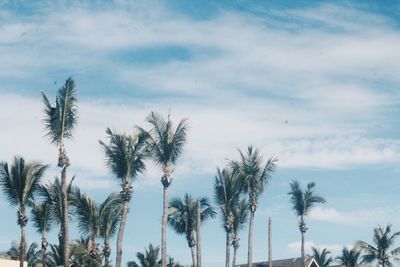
(21, 183)
(150, 258)
(166, 143)
(81, 254)
(125, 154)
(349, 257)
(303, 201)
(61, 118)
(240, 216)
(322, 257)
(42, 217)
(382, 249)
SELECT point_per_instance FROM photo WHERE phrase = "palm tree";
(82, 253)
(171, 263)
(125, 155)
(20, 183)
(56, 255)
(60, 120)
(256, 177)
(382, 249)
(43, 221)
(110, 217)
(240, 215)
(166, 145)
(14, 253)
(349, 257)
(148, 259)
(227, 190)
(182, 218)
(322, 257)
(302, 203)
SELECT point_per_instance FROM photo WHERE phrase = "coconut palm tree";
(60, 119)
(14, 253)
(256, 176)
(302, 203)
(227, 190)
(321, 257)
(125, 155)
(171, 263)
(43, 222)
(382, 249)
(110, 217)
(82, 253)
(349, 257)
(182, 218)
(21, 183)
(240, 215)
(166, 145)
(56, 255)
(148, 259)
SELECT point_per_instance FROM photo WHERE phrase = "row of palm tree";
(382, 251)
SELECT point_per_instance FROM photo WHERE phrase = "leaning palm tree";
(125, 155)
(240, 215)
(166, 145)
(321, 257)
(255, 176)
(349, 257)
(21, 183)
(302, 203)
(182, 218)
(227, 190)
(148, 259)
(382, 250)
(60, 119)
(43, 221)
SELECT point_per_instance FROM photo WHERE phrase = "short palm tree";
(82, 255)
(240, 215)
(150, 258)
(43, 222)
(349, 257)
(322, 257)
(182, 218)
(227, 190)
(166, 145)
(171, 263)
(125, 156)
(21, 183)
(382, 250)
(302, 203)
(60, 119)
(256, 176)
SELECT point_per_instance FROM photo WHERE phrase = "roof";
(292, 262)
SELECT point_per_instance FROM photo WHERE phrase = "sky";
(314, 83)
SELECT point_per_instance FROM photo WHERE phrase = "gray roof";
(292, 262)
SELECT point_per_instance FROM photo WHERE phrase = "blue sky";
(238, 70)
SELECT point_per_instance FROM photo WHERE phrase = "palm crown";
(61, 118)
(302, 202)
(322, 257)
(349, 257)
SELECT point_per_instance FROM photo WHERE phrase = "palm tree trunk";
(192, 249)
(65, 223)
(235, 249)
(22, 247)
(250, 241)
(164, 228)
(228, 249)
(198, 237)
(121, 234)
(302, 249)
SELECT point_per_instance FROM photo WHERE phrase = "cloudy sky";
(313, 83)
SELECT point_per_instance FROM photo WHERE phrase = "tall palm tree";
(125, 155)
(322, 257)
(349, 257)
(227, 190)
(60, 119)
(166, 145)
(182, 218)
(382, 249)
(240, 215)
(148, 259)
(256, 176)
(43, 222)
(20, 183)
(302, 203)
